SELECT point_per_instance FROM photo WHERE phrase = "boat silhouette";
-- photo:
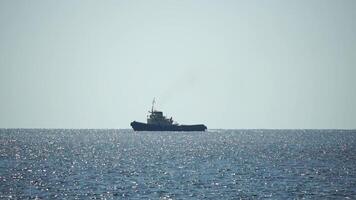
(156, 121)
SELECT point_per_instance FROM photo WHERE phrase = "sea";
(216, 164)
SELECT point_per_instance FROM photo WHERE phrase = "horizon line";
(348, 129)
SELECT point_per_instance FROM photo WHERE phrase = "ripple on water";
(222, 164)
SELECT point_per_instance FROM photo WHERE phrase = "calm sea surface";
(218, 164)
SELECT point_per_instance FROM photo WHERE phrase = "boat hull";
(139, 126)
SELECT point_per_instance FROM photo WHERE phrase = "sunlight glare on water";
(218, 164)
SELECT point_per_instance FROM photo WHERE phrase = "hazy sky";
(227, 64)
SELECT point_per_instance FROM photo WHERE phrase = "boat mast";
(153, 103)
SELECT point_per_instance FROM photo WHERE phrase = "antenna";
(153, 103)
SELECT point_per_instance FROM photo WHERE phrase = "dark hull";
(139, 126)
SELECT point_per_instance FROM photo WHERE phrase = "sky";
(228, 64)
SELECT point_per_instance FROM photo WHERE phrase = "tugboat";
(156, 121)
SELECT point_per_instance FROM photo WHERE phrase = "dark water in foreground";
(222, 164)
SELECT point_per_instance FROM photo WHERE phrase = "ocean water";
(218, 164)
